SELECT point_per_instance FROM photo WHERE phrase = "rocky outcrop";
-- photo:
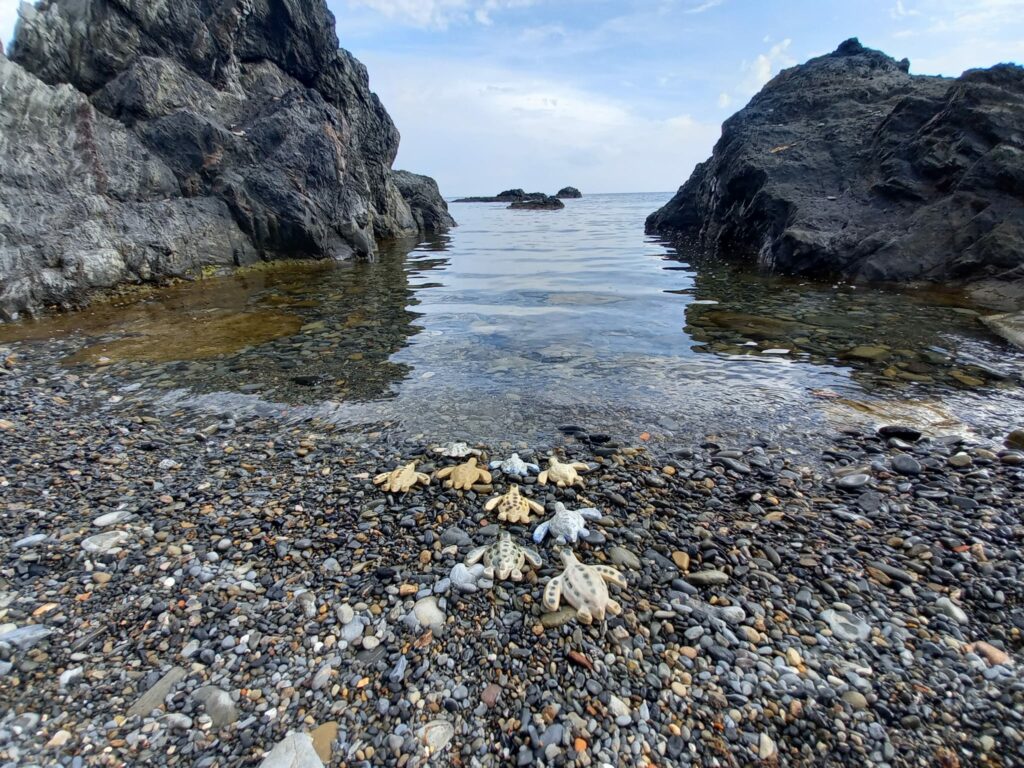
(849, 166)
(142, 140)
(569, 193)
(546, 203)
(508, 196)
(424, 198)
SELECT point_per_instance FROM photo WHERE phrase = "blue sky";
(617, 95)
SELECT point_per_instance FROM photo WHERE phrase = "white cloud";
(440, 14)
(478, 130)
(766, 65)
(705, 6)
(900, 11)
(724, 100)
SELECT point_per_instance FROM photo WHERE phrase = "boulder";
(569, 193)
(188, 133)
(849, 166)
(428, 207)
(546, 203)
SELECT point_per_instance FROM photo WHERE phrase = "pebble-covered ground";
(179, 590)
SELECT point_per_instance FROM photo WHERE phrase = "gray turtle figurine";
(566, 525)
(584, 588)
(515, 467)
(504, 558)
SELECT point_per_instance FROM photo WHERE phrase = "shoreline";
(260, 571)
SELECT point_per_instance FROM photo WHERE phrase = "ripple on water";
(513, 324)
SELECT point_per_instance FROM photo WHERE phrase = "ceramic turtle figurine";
(566, 525)
(464, 476)
(504, 558)
(513, 507)
(515, 466)
(456, 450)
(562, 475)
(402, 479)
(584, 588)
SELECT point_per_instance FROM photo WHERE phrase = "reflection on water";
(518, 322)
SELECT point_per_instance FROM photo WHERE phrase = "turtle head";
(568, 558)
(560, 507)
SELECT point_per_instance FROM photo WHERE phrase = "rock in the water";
(295, 750)
(546, 203)
(850, 165)
(569, 193)
(186, 134)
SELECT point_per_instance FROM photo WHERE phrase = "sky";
(616, 95)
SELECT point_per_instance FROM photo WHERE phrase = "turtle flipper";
(441, 474)
(542, 478)
(613, 607)
(486, 476)
(381, 478)
(492, 503)
(591, 513)
(541, 531)
(584, 615)
(475, 555)
(553, 594)
(532, 557)
(609, 574)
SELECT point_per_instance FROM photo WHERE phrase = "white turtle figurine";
(562, 475)
(566, 525)
(456, 450)
(584, 588)
(504, 558)
(515, 466)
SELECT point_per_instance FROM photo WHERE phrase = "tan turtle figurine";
(513, 507)
(504, 558)
(584, 588)
(562, 475)
(402, 479)
(464, 476)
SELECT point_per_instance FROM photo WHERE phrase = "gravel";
(806, 605)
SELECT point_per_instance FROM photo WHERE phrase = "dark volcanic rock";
(189, 133)
(508, 196)
(848, 165)
(546, 203)
(569, 193)
(424, 199)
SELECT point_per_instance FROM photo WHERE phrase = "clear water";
(520, 321)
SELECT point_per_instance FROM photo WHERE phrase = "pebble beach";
(185, 589)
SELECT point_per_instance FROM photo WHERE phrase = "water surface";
(520, 321)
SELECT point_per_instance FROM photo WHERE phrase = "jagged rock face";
(848, 165)
(248, 107)
(84, 204)
(424, 198)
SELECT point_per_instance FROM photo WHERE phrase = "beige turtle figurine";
(584, 588)
(464, 476)
(402, 479)
(504, 558)
(514, 507)
(562, 475)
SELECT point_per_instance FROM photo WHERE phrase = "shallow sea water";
(518, 322)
